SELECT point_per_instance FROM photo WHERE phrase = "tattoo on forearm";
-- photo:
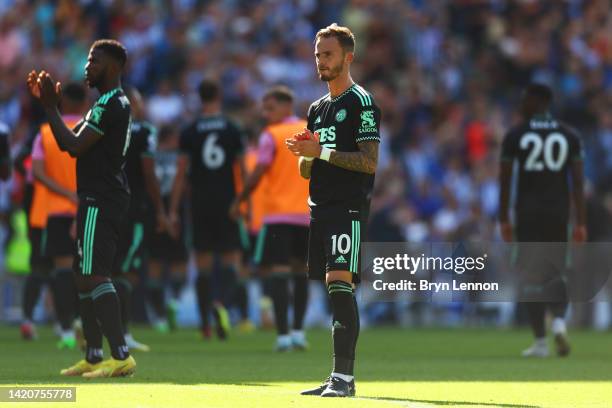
(364, 161)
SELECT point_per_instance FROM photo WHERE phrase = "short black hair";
(542, 93)
(113, 48)
(281, 93)
(209, 90)
(75, 92)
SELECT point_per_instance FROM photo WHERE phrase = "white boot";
(538, 349)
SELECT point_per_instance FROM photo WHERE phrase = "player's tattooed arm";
(364, 161)
(305, 167)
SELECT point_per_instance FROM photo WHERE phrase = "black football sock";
(279, 285)
(203, 291)
(64, 288)
(357, 330)
(300, 300)
(344, 326)
(537, 314)
(558, 309)
(31, 293)
(266, 287)
(91, 328)
(155, 292)
(124, 293)
(106, 306)
(241, 298)
(228, 285)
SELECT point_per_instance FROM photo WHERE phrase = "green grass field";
(396, 367)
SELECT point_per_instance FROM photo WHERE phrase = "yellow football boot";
(113, 368)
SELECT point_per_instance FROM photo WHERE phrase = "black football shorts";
(279, 244)
(334, 242)
(98, 226)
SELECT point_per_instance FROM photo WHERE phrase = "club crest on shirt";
(341, 115)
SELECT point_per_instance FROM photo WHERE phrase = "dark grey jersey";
(342, 123)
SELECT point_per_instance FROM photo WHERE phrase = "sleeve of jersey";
(508, 150)
(309, 120)
(265, 149)
(368, 128)
(97, 118)
(38, 152)
(77, 127)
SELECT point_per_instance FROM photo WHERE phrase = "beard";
(332, 73)
(94, 81)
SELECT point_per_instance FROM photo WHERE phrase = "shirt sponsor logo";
(327, 134)
(368, 124)
(95, 114)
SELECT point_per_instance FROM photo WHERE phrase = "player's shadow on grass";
(451, 403)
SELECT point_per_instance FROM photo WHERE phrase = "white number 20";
(534, 142)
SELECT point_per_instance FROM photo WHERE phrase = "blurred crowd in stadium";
(446, 74)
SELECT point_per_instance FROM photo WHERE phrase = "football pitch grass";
(396, 367)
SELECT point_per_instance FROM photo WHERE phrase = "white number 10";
(342, 243)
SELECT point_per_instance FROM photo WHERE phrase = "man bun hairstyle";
(344, 35)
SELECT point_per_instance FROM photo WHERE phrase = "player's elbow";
(74, 151)
(370, 168)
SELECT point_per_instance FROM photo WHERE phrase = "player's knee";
(204, 260)
(231, 258)
(89, 283)
(344, 276)
(280, 270)
(63, 262)
(298, 267)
